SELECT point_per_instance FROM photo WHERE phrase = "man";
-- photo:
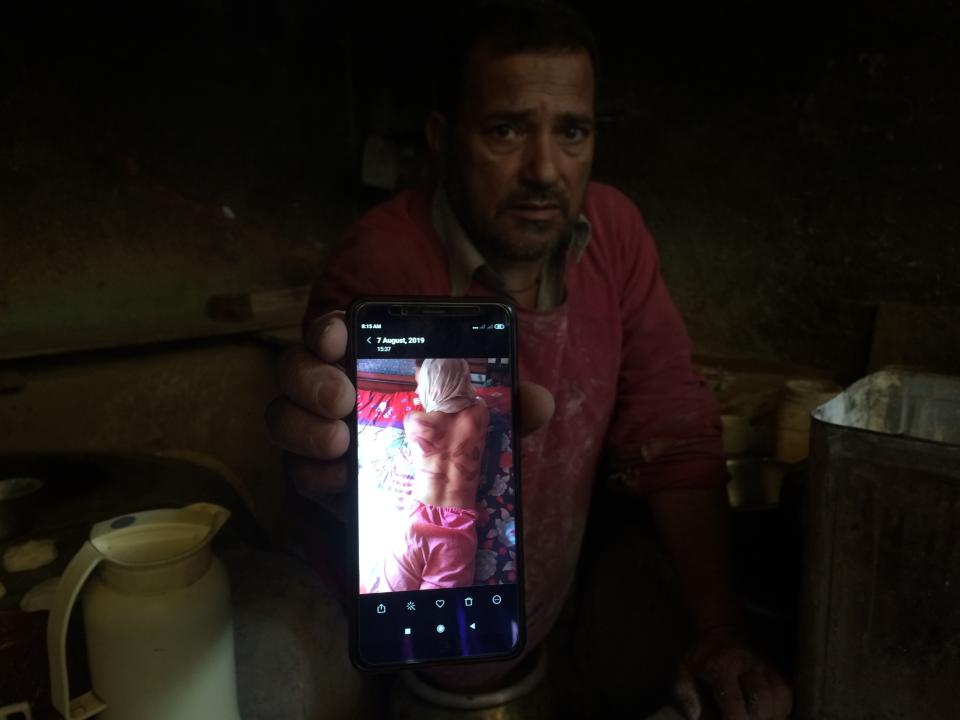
(602, 348)
(447, 441)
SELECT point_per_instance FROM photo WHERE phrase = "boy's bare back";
(448, 452)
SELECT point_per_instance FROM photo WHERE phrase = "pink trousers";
(440, 552)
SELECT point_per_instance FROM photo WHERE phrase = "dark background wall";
(797, 163)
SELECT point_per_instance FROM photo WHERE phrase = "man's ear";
(438, 140)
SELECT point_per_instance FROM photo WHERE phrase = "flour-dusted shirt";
(614, 353)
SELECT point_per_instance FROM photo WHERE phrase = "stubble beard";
(527, 241)
(532, 241)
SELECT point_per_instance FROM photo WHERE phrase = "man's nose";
(540, 164)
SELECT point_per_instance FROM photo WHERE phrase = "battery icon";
(499, 326)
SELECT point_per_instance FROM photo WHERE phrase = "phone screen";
(439, 569)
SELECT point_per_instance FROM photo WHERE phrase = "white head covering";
(445, 385)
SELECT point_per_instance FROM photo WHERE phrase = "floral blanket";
(386, 467)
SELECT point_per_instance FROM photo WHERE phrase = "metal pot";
(528, 698)
(18, 501)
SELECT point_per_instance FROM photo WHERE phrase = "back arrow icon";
(369, 342)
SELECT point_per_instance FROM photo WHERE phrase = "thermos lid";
(157, 535)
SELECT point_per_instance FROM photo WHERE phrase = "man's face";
(519, 151)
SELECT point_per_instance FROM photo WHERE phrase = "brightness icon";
(411, 605)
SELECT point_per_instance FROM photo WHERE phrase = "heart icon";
(439, 603)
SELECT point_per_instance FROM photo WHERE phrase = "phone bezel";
(350, 358)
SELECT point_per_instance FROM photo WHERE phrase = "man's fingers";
(326, 336)
(781, 693)
(322, 482)
(536, 406)
(685, 693)
(743, 686)
(303, 433)
(315, 385)
(730, 699)
(721, 673)
(758, 694)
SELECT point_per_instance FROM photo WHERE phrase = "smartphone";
(435, 463)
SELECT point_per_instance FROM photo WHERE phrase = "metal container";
(527, 698)
(880, 621)
(18, 498)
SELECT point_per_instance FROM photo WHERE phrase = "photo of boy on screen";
(425, 490)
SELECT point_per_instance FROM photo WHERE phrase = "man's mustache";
(543, 196)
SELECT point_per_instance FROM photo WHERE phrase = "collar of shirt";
(466, 264)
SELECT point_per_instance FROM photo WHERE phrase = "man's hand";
(695, 524)
(743, 686)
(307, 419)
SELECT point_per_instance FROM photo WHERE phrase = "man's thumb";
(685, 693)
(536, 406)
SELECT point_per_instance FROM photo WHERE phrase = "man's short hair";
(506, 27)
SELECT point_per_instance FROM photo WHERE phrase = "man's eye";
(576, 133)
(503, 132)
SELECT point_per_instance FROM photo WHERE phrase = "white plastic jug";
(157, 617)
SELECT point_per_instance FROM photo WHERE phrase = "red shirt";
(615, 355)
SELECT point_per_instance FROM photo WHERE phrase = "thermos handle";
(21, 709)
(74, 577)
